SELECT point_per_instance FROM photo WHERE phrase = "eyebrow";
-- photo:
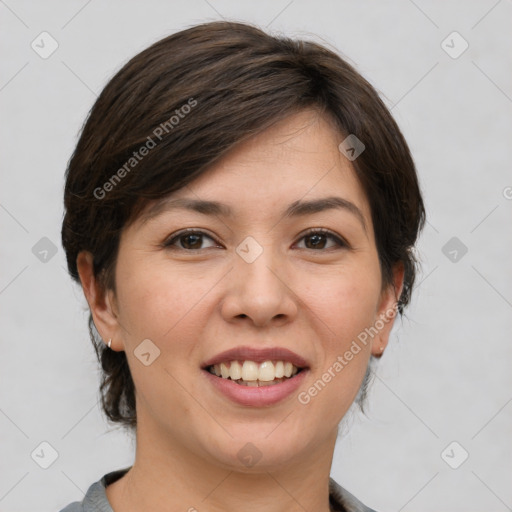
(296, 209)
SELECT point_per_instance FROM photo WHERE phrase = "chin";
(253, 450)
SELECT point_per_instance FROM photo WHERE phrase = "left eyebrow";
(296, 209)
(300, 208)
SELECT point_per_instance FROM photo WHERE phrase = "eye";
(317, 238)
(188, 240)
(192, 240)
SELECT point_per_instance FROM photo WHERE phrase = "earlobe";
(387, 311)
(98, 298)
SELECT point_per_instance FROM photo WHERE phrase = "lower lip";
(256, 396)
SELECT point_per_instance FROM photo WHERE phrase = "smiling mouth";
(250, 373)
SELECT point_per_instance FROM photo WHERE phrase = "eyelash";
(342, 244)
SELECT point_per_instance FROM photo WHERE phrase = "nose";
(259, 292)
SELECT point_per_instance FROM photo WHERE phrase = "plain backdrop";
(443, 391)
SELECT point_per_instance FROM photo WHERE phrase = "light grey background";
(445, 376)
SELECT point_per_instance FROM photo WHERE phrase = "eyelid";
(168, 242)
(340, 241)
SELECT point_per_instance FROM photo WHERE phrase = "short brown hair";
(236, 81)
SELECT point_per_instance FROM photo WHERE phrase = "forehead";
(288, 168)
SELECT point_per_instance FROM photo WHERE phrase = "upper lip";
(258, 355)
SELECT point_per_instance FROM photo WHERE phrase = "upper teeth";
(251, 371)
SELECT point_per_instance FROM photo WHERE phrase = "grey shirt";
(95, 500)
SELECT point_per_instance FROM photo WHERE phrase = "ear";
(387, 310)
(101, 302)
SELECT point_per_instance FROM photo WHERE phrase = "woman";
(241, 212)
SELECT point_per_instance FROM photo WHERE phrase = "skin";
(194, 303)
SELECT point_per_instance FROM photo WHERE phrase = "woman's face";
(252, 280)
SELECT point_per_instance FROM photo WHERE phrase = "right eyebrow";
(214, 208)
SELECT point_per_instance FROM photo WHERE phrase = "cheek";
(161, 301)
(166, 306)
(346, 301)
(343, 308)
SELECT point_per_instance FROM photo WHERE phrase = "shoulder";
(76, 506)
(343, 501)
(95, 499)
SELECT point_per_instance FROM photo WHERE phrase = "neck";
(173, 478)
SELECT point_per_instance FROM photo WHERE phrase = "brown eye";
(191, 241)
(188, 241)
(318, 239)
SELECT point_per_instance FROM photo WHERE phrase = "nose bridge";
(258, 291)
(258, 268)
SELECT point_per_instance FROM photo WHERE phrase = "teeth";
(254, 374)
(258, 383)
(266, 371)
(249, 370)
(235, 371)
(224, 371)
